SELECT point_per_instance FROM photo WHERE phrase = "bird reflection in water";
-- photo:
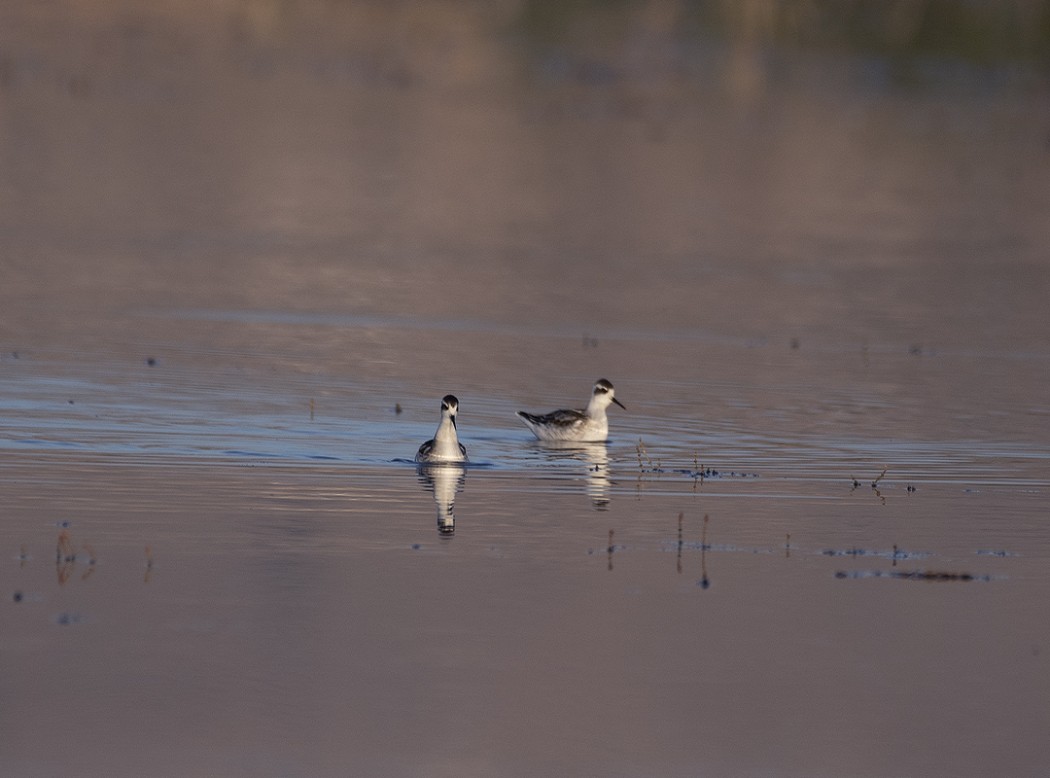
(595, 457)
(444, 481)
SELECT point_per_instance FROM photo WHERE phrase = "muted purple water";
(233, 247)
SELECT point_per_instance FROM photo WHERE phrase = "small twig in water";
(65, 557)
(91, 562)
(679, 566)
(64, 550)
(642, 452)
(705, 582)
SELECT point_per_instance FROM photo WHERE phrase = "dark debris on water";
(709, 472)
(68, 618)
(913, 575)
(895, 554)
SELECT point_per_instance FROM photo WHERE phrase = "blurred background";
(514, 162)
(514, 198)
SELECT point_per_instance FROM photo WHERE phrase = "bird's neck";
(445, 438)
(596, 407)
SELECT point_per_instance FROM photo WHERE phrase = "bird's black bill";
(619, 403)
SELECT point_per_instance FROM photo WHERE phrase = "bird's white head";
(604, 394)
(449, 407)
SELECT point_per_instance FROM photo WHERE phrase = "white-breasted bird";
(587, 425)
(445, 445)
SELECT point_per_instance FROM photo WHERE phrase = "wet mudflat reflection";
(444, 481)
(589, 460)
(319, 604)
(244, 247)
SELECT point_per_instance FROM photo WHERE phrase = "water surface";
(243, 260)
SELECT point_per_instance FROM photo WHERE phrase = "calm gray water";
(244, 254)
